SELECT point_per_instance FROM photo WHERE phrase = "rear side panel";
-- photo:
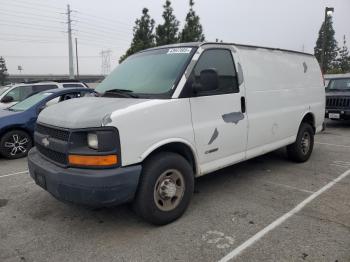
(281, 87)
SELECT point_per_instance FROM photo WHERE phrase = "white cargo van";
(170, 114)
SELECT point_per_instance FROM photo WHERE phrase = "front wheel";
(301, 149)
(165, 188)
(15, 144)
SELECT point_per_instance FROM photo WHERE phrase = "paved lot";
(231, 207)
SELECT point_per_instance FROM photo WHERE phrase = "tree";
(192, 31)
(143, 36)
(331, 45)
(344, 58)
(167, 32)
(3, 71)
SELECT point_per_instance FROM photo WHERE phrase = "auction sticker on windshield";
(179, 51)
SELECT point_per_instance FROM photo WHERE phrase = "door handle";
(243, 107)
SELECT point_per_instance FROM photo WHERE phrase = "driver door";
(218, 117)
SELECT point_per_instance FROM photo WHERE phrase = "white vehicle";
(170, 114)
(12, 94)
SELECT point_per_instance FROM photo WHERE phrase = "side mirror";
(7, 99)
(41, 108)
(208, 82)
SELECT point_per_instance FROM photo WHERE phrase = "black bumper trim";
(91, 187)
(344, 114)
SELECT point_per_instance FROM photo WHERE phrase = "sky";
(33, 32)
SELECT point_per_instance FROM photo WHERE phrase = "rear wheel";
(301, 149)
(165, 188)
(15, 144)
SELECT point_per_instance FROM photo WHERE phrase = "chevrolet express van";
(173, 113)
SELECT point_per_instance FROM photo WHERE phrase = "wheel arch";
(179, 146)
(11, 128)
(309, 118)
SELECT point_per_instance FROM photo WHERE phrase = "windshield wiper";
(120, 92)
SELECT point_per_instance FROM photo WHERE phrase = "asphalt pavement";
(265, 209)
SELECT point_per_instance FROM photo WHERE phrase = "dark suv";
(338, 99)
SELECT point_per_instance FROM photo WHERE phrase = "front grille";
(53, 132)
(338, 102)
(52, 155)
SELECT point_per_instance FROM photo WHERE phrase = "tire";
(15, 144)
(165, 189)
(301, 149)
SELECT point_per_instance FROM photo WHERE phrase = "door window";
(40, 88)
(20, 93)
(222, 62)
(72, 85)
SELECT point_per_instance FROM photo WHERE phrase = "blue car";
(17, 123)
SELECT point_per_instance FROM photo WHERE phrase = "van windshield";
(341, 84)
(150, 72)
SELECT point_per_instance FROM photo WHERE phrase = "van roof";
(198, 44)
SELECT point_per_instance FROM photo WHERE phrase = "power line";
(105, 26)
(47, 56)
(28, 41)
(29, 27)
(102, 29)
(39, 3)
(103, 35)
(103, 19)
(35, 36)
(38, 7)
(35, 25)
(12, 12)
(99, 40)
(31, 17)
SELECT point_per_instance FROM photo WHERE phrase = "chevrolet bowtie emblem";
(45, 142)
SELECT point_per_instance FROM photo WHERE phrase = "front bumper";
(344, 114)
(91, 187)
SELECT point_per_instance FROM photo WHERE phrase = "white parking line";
(238, 250)
(328, 144)
(291, 187)
(13, 174)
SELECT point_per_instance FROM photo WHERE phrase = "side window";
(72, 85)
(53, 101)
(20, 93)
(40, 88)
(70, 96)
(222, 62)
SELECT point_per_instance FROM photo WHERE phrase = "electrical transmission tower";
(106, 61)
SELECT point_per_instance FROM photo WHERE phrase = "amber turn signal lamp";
(79, 160)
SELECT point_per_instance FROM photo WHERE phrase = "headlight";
(92, 140)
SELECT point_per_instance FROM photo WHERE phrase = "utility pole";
(76, 56)
(70, 45)
(327, 10)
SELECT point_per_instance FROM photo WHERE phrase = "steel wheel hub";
(305, 143)
(169, 190)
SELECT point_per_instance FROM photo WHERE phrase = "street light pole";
(323, 53)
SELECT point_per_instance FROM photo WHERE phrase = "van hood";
(85, 112)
